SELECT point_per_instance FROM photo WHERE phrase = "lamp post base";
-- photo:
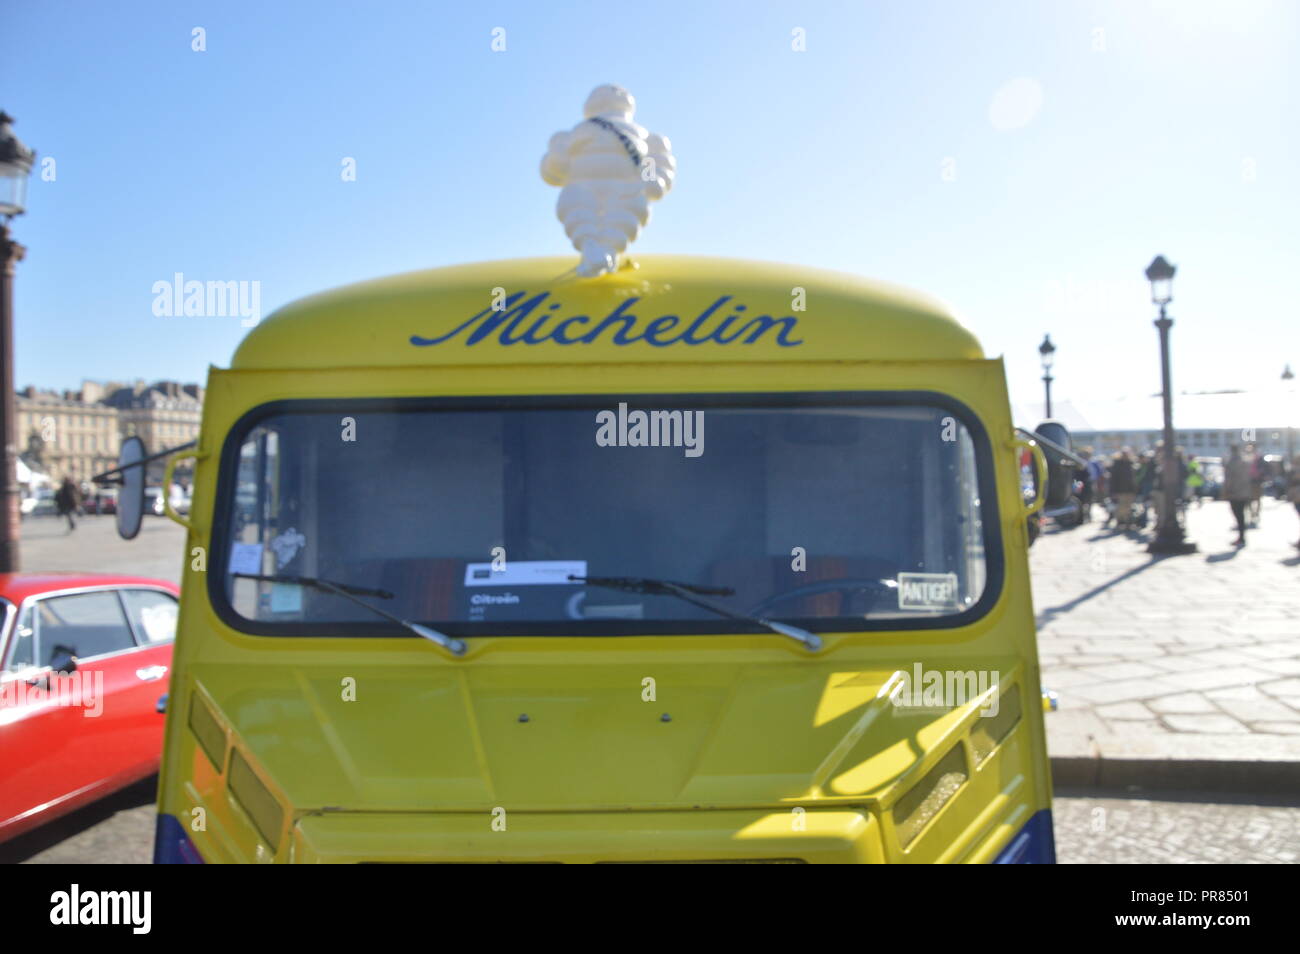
(1171, 543)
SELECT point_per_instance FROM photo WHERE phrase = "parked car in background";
(42, 503)
(84, 660)
(102, 501)
(153, 500)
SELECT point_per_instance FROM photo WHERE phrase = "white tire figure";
(610, 169)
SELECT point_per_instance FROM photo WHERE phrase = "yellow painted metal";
(762, 733)
(168, 471)
(1040, 467)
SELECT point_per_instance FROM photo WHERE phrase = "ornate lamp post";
(1046, 350)
(1169, 537)
(15, 165)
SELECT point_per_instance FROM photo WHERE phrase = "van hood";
(593, 736)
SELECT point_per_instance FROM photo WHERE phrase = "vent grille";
(922, 802)
(256, 800)
(990, 731)
(212, 738)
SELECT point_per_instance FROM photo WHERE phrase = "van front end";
(647, 568)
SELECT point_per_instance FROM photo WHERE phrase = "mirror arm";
(114, 476)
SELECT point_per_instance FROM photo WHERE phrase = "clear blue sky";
(1175, 130)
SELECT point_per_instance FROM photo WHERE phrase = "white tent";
(32, 478)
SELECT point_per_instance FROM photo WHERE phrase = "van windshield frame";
(228, 480)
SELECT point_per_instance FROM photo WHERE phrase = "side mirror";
(130, 502)
(63, 659)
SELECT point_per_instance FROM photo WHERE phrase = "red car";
(84, 663)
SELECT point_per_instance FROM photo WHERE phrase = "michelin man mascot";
(609, 169)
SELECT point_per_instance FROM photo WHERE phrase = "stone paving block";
(1205, 723)
(1124, 691)
(1126, 670)
(1067, 678)
(1265, 710)
(1266, 627)
(1126, 711)
(1245, 693)
(1282, 650)
(1216, 678)
(1135, 650)
(1282, 688)
(1222, 657)
(1178, 664)
(1183, 702)
(1281, 728)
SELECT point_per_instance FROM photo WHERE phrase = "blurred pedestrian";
(1293, 486)
(1195, 481)
(67, 501)
(1123, 488)
(1255, 465)
(1237, 489)
(1146, 481)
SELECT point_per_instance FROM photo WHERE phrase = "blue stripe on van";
(1035, 844)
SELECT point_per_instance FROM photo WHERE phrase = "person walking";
(1195, 481)
(1236, 490)
(1123, 488)
(68, 501)
(1146, 480)
(1255, 467)
(1293, 486)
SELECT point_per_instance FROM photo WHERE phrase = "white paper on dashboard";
(246, 558)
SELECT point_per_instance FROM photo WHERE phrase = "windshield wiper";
(450, 643)
(688, 591)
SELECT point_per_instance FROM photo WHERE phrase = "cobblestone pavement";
(1118, 831)
(95, 547)
(1193, 656)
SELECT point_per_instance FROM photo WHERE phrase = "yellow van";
(698, 561)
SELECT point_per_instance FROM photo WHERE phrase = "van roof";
(666, 309)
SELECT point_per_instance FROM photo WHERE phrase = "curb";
(1214, 775)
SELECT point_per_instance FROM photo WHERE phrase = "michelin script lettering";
(621, 326)
(76, 907)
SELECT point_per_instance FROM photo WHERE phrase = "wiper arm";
(688, 591)
(644, 584)
(317, 583)
(450, 643)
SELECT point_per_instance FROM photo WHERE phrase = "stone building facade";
(79, 434)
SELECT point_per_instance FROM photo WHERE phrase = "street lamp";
(1169, 537)
(1046, 350)
(15, 166)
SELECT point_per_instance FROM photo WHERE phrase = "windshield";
(837, 512)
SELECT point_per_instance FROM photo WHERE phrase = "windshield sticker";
(927, 591)
(620, 326)
(525, 573)
(286, 547)
(246, 558)
(286, 598)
